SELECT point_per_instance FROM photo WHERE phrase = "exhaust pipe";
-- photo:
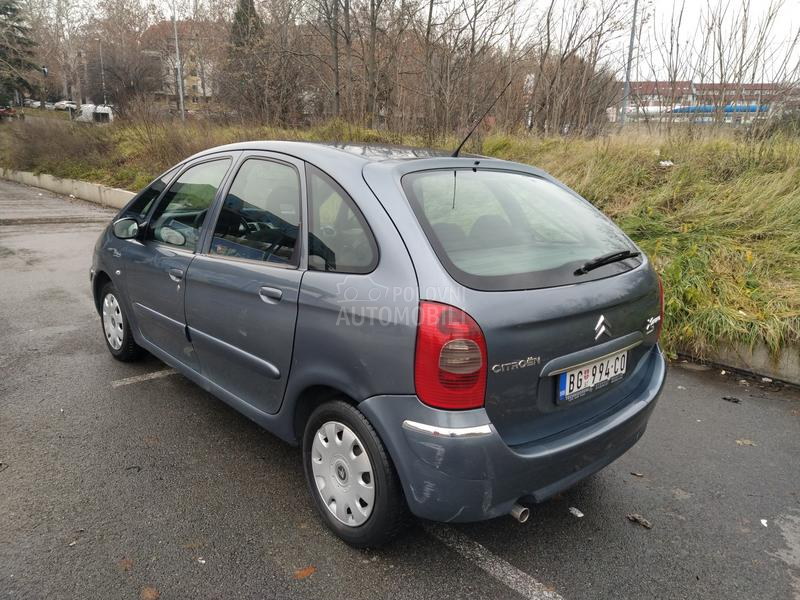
(520, 513)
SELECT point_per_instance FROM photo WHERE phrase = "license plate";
(594, 375)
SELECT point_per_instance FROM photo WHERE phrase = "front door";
(241, 295)
(156, 267)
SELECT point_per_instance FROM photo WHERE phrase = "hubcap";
(112, 321)
(343, 473)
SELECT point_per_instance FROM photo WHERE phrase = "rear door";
(534, 336)
(156, 266)
(520, 246)
(241, 298)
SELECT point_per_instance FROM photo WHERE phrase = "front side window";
(139, 208)
(338, 236)
(499, 230)
(179, 217)
(260, 218)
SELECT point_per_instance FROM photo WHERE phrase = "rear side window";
(180, 214)
(260, 217)
(338, 236)
(499, 230)
(139, 208)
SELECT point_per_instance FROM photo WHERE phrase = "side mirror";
(126, 229)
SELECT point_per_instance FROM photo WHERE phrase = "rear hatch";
(569, 338)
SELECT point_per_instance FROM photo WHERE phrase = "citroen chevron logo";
(603, 326)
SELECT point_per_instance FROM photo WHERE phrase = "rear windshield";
(500, 230)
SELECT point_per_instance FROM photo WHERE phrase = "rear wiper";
(606, 259)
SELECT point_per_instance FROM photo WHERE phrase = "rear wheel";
(116, 330)
(351, 478)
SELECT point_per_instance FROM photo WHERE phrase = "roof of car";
(360, 152)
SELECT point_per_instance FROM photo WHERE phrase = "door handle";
(270, 295)
(176, 275)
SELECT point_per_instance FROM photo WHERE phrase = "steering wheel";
(245, 225)
(197, 223)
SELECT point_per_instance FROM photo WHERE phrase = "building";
(197, 67)
(661, 93)
(729, 102)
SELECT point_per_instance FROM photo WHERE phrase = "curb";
(91, 192)
(759, 361)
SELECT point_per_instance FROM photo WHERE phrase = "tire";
(341, 473)
(116, 327)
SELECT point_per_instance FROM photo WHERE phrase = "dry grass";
(722, 224)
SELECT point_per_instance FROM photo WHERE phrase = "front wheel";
(351, 478)
(116, 329)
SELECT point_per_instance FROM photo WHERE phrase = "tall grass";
(721, 219)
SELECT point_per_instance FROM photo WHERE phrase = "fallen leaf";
(733, 399)
(635, 474)
(306, 572)
(125, 565)
(149, 593)
(194, 545)
(795, 413)
(637, 518)
(745, 442)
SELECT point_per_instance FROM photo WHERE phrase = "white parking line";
(505, 573)
(145, 377)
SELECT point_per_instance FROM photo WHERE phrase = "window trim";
(299, 248)
(156, 205)
(350, 201)
(156, 200)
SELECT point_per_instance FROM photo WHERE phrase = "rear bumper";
(455, 467)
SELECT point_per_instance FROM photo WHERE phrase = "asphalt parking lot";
(116, 485)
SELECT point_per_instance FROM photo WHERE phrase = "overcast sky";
(658, 13)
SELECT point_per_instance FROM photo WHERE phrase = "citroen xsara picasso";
(451, 338)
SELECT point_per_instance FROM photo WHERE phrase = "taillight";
(450, 360)
(661, 314)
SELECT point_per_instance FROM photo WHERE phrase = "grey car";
(454, 338)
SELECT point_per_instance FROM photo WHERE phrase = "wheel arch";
(99, 280)
(309, 399)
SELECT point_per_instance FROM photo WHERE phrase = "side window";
(179, 217)
(260, 218)
(141, 206)
(338, 236)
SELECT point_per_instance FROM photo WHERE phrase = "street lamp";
(626, 90)
(102, 71)
(179, 68)
(45, 71)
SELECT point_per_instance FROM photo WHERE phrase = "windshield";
(500, 230)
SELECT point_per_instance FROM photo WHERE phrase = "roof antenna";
(479, 121)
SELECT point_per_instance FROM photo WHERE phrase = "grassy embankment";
(722, 224)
